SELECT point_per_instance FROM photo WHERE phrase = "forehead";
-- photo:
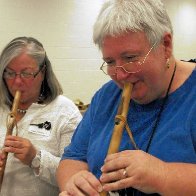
(126, 42)
(23, 61)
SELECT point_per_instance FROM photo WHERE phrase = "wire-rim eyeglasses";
(130, 67)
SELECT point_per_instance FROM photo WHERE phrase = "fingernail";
(102, 177)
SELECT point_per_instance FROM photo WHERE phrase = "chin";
(140, 99)
(140, 94)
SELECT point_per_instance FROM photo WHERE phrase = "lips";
(134, 82)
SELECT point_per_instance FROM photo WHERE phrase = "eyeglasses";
(24, 74)
(130, 67)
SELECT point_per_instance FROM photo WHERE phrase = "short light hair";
(33, 48)
(119, 16)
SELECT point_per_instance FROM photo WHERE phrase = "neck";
(161, 110)
(22, 108)
(171, 72)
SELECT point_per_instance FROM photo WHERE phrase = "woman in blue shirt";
(136, 41)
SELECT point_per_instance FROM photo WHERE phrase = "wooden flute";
(120, 122)
(10, 126)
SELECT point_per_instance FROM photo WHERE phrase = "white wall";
(65, 29)
(183, 17)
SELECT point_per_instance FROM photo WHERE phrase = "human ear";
(168, 45)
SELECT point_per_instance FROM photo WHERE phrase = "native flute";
(11, 122)
(120, 122)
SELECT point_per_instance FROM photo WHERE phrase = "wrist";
(35, 164)
(162, 178)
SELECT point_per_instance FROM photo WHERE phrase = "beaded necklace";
(21, 111)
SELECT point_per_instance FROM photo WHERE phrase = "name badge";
(41, 128)
(38, 131)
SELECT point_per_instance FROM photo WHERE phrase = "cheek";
(36, 86)
(7, 83)
(153, 81)
(36, 83)
(118, 82)
(32, 88)
(146, 79)
(31, 91)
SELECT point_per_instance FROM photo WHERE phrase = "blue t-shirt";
(174, 139)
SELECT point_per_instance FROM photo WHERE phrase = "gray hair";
(50, 86)
(119, 16)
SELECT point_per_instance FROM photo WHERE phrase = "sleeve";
(77, 150)
(65, 125)
(79, 147)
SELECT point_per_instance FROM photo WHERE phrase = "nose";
(121, 74)
(17, 78)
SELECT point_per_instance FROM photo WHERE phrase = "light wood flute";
(120, 122)
(11, 123)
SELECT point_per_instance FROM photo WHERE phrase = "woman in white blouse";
(45, 120)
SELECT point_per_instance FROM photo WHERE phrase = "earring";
(167, 63)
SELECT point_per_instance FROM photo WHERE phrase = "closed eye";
(131, 58)
(110, 63)
(26, 74)
(9, 73)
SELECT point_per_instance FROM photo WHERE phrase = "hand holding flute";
(85, 177)
(28, 152)
(120, 121)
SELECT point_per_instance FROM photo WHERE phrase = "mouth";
(133, 82)
(17, 90)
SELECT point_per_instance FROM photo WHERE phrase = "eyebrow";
(123, 54)
(133, 53)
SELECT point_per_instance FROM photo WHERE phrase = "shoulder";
(192, 77)
(111, 85)
(185, 74)
(188, 86)
(63, 103)
(61, 99)
(109, 89)
(186, 93)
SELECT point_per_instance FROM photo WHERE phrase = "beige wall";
(183, 17)
(65, 29)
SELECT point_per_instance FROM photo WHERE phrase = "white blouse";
(62, 116)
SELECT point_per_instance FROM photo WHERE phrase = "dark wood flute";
(10, 126)
(120, 122)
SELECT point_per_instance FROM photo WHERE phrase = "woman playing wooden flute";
(45, 120)
(136, 41)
